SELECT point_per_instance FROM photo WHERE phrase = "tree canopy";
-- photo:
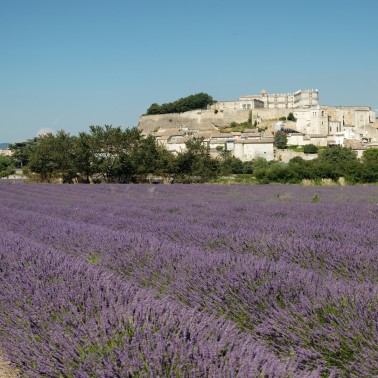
(280, 139)
(192, 102)
(6, 166)
(113, 155)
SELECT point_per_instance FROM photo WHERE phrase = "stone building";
(250, 149)
(5, 153)
(299, 99)
(314, 124)
(240, 104)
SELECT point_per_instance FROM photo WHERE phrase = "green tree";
(370, 156)
(112, 150)
(21, 152)
(368, 172)
(53, 157)
(280, 139)
(149, 158)
(195, 163)
(231, 165)
(337, 155)
(338, 162)
(6, 166)
(43, 159)
(84, 157)
(192, 102)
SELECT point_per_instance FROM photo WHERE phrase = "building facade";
(299, 99)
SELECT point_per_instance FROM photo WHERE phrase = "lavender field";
(189, 281)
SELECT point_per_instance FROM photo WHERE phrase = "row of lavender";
(63, 317)
(297, 277)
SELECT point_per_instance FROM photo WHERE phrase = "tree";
(83, 157)
(53, 157)
(149, 158)
(280, 139)
(195, 163)
(21, 152)
(112, 151)
(368, 172)
(337, 155)
(6, 166)
(43, 159)
(196, 101)
(370, 156)
(231, 165)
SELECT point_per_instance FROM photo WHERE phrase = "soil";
(6, 371)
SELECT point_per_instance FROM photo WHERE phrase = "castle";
(298, 99)
(353, 126)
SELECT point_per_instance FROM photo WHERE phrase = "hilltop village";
(246, 127)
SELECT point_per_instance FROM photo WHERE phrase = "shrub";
(310, 149)
(291, 117)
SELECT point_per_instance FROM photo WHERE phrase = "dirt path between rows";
(6, 371)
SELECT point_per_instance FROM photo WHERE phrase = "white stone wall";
(286, 155)
(297, 140)
(241, 104)
(334, 127)
(251, 151)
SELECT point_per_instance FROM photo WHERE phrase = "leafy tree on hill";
(196, 101)
(280, 140)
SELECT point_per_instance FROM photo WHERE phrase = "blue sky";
(74, 63)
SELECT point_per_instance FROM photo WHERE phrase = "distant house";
(250, 149)
(5, 153)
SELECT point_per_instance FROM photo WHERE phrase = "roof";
(256, 141)
(203, 134)
(251, 135)
(296, 133)
(180, 141)
(222, 135)
(215, 140)
(354, 144)
(318, 136)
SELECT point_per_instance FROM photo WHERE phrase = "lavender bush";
(241, 281)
